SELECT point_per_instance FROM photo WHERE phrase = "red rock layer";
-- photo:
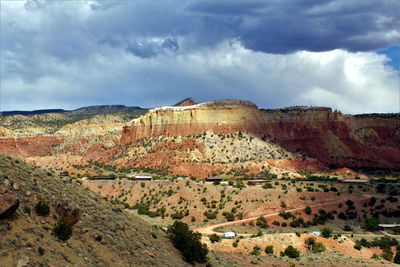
(332, 138)
(29, 146)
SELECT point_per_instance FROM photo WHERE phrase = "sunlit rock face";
(329, 136)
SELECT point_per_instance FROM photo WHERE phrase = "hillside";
(104, 236)
(334, 139)
(214, 138)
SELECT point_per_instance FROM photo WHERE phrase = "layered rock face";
(371, 141)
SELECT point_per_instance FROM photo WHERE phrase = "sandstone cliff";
(332, 138)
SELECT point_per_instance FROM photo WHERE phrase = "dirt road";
(209, 230)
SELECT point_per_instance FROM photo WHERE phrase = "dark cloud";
(66, 54)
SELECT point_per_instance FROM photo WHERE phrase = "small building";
(317, 233)
(213, 179)
(354, 181)
(256, 182)
(385, 226)
(229, 234)
(142, 178)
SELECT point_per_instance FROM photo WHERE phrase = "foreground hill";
(104, 235)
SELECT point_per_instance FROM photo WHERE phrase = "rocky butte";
(337, 140)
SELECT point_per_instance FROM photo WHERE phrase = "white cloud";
(350, 82)
(68, 54)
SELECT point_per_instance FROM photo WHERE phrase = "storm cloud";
(67, 54)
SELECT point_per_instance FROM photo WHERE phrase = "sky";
(276, 53)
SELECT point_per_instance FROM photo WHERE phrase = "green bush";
(291, 252)
(307, 210)
(310, 242)
(42, 208)
(214, 238)
(229, 216)
(387, 254)
(318, 247)
(371, 224)
(187, 242)
(256, 251)
(347, 228)
(326, 232)
(41, 251)
(358, 246)
(375, 257)
(269, 249)
(27, 210)
(62, 230)
(397, 258)
(262, 222)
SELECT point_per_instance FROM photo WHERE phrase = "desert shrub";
(259, 233)
(262, 222)
(256, 251)
(385, 242)
(215, 238)
(177, 215)
(276, 223)
(62, 230)
(326, 232)
(298, 222)
(229, 216)
(210, 215)
(27, 210)
(337, 236)
(285, 215)
(235, 243)
(397, 258)
(291, 252)
(187, 242)
(318, 247)
(387, 254)
(42, 208)
(310, 242)
(357, 246)
(372, 202)
(267, 186)
(347, 228)
(371, 224)
(307, 210)
(342, 216)
(142, 209)
(364, 242)
(193, 219)
(375, 257)
(269, 249)
(41, 251)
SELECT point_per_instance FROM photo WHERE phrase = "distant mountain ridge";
(84, 111)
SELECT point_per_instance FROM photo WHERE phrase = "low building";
(256, 182)
(214, 179)
(142, 178)
(229, 234)
(354, 181)
(384, 226)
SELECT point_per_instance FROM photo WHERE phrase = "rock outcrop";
(334, 139)
(9, 203)
(68, 209)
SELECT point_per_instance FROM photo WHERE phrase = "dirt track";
(209, 230)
